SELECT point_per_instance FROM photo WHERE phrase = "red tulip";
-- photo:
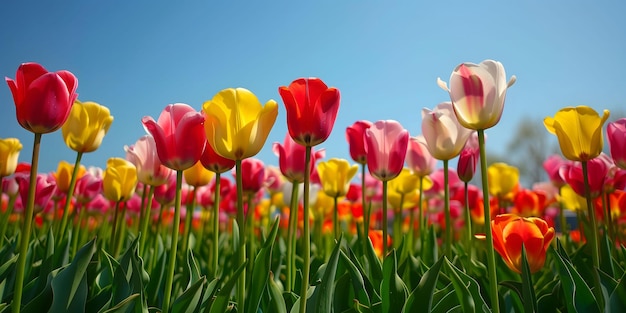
(179, 135)
(511, 231)
(572, 174)
(43, 99)
(215, 162)
(291, 157)
(466, 166)
(386, 143)
(355, 135)
(616, 134)
(311, 110)
(253, 174)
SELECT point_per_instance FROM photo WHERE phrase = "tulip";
(477, 92)
(215, 162)
(311, 110)
(63, 175)
(355, 135)
(237, 125)
(444, 135)
(335, 176)
(86, 126)
(291, 158)
(572, 174)
(466, 166)
(579, 131)
(386, 143)
(418, 158)
(42, 99)
(88, 186)
(503, 179)
(9, 152)
(178, 135)
(552, 165)
(45, 188)
(510, 232)
(197, 175)
(616, 134)
(119, 180)
(143, 154)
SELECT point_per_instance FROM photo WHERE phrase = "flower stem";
(191, 204)
(335, 218)
(68, 198)
(4, 221)
(595, 255)
(241, 250)
(366, 211)
(420, 213)
(169, 279)
(291, 237)
(468, 220)
(216, 224)
(146, 214)
(384, 226)
(306, 236)
(446, 209)
(491, 258)
(28, 220)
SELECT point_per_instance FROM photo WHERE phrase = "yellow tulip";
(403, 190)
(9, 152)
(335, 176)
(63, 175)
(502, 179)
(198, 175)
(571, 200)
(119, 179)
(236, 123)
(579, 131)
(86, 126)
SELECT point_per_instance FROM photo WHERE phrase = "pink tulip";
(466, 167)
(143, 154)
(386, 143)
(215, 162)
(572, 174)
(274, 179)
(291, 157)
(552, 165)
(166, 193)
(616, 134)
(43, 99)
(418, 158)
(87, 187)
(253, 175)
(179, 135)
(477, 92)
(445, 137)
(43, 191)
(437, 178)
(355, 135)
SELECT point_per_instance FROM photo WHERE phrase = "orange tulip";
(511, 231)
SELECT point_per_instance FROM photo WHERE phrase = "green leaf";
(124, 305)
(528, 291)
(445, 300)
(70, 285)
(421, 298)
(322, 298)
(358, 283)
(261, 271)
(375, 273)
(617, 299)
(190, 300)
(579, 297)
(467, 289)
(392, 290)
(277, 302)
(430, 250)
(220, 303)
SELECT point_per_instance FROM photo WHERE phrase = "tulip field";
(191, 221)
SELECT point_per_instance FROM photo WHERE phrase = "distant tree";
(530, 146)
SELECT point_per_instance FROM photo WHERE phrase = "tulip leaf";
(261, 270)
(606, 260)
(277, 303)
(579, 297)
(369, 287)
(617, 299)
(392, 290)
(373, 264)
(467, 289)
(322, 298)
(430, 250)
(69, 287)
(421, 299)
(220, 303)
(445, 300)
(190, 300)
(528, 291)
(124, 305)
(358, 283)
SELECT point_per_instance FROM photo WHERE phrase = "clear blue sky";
(135, 57)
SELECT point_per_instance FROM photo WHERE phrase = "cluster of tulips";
(165, 230)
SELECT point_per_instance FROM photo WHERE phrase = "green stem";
(446, 210)
(169, 278)
(76, 229)
(468, 220)
(241, 250)
(384, 226)
(5, 218)
(146, 214)
(607, 212)
(563, 222)
(121, 233)
(491, 257)
(291, 237)
(595, 255)
(306, 236)
(157, 233)
(216, 224)
(113, 237)
(188, 220)
(397, 223)
(142, 207)
(68, 197)
(335, 218)
(28, 220)
(364, 207)
(420, 213)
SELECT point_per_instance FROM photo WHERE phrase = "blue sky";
(135, 57)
